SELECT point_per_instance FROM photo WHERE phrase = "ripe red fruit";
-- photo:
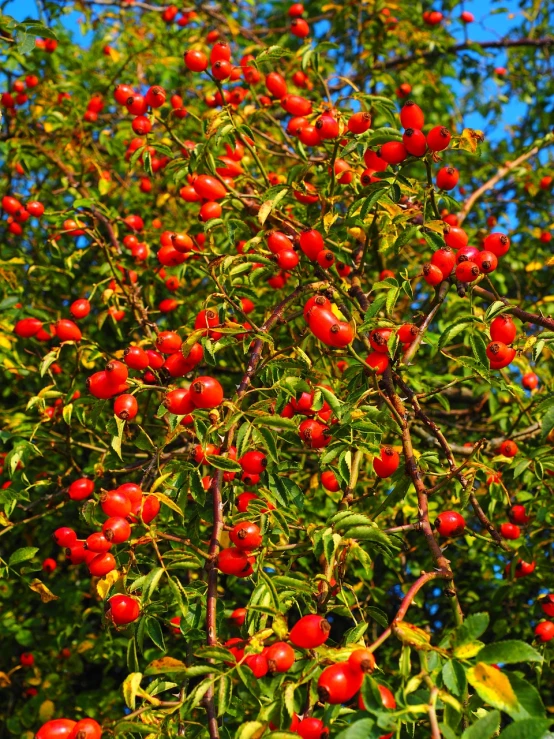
(101, 564)
(49, 565)
(126, 407)
(115, 503)
(253, 462)
(503, 329)
(378, 361)
(276, 84)
(116, 529)
(312, 728)
(445, 259)
(196, 61)
(311, 243)
(547, 604)
(27, 327)
(362, 660)
(387, 699)
(258, 664)
(359, 122)
(179, 402)
(438, 138)
(246, 536)
(238, 616)
(517, 515)
(310, 632)
(136, 358)
(393, 152)
(510, 531)
(415, 142)
(508, 448)
(58, 728)
(432, 274)
(296, 10)
(378, 338)
(35, 208)
(467, 271)
(486, 261)
(327, 127)
(339, 683)
(209, 188)
(314, 433)
(98, 543)
(498, 243)
(150, 509)
(450, 523)
(455, 237)
(507, 358)
(80, 308)
(299, 28)
(81, 489)
(411, 116)
(544, 631)
(65, 537)
(66, 330)
(447, 178)
(530, 381)
(387, 463)
(233, 561)
(497, 351)
(407, 333)
(206, 392)
(329, 481)
(280, 657)
(167, 342)
(123, 609)
(27, 659)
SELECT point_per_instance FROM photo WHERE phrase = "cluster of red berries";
(18, 213)
(65, 728)
(503, 332)
(123, 506)
(18, 95)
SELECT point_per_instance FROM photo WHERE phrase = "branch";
(438, 301)
(500, 174)
(523, 315)
(397, 61)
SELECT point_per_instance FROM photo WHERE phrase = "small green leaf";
(22, 555)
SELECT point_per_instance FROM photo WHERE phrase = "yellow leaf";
(470, 140)
(412, 635)
(436, 226)
(328, 220)
(265, 210)
(533, 266)
(4, 680)
(493, 687)
(466, 651)
(46, 710)
(165, 664)
(85, 646)
(48, 127)
(105, 583)
(131, 686)
(233, 26)
(169, 503)
(159, 481)
(39, 587)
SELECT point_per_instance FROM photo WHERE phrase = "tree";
(277, 373)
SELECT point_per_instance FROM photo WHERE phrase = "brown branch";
(398, 61)
(523, 315)
(438, 301)
(500, 174)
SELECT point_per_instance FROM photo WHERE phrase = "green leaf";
(359, 730)
(454, 677)
(223, 463)
(133, 727)
(547, 423)
(131, 686)
(509, 652)
(22, 555)
(472, 628)
(451, 331)
(224, 695)
(528, 696)
(485, 728)
(479, 349)
(154, 631)
(527, 728)
(397, 494)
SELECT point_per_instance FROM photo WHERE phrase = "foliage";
(450, 619)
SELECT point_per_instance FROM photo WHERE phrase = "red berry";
(486, 261)
(58, 728)
(432, 274)
(276, 84)
(415, 142)
(497, 351)
(450, 523)
(253, 462)
(80, 308)
(258, 664)
(126, 407)
(115, 503)
(238, 616)
(544, 631)
(508, 448)
(407, 333)
(503, 329)
(338, 683)
(455, 237)
(280, 657)
(49, 565)
(467, 271)
(167, 342)
(498, 243)
(447, 178)
(27, 327)
(101, 564)
(65, 537)
(98, 543)
(530, 381)
(299, 28)
(411, 116)
(314, 433)
(378, 361)
(329, 481)
(510, 531)
(116, 529)
(27, 659)
(359, 122)
(81, 489)
(310, 632)
(66, 330)
(246, 536)
(438, 138)
(233, 561)
(387, 463)
(445, 259)
(393, 152)
(547, 604)
(362, 659)
(196, 61)
(206, 392)
(312, 728)
(123, 609)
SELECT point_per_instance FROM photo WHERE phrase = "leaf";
(22, 555)
(154, 631)
(250, 730)
(166, 500)
(508, 652)
(131, 686)
(224, 695)
(479, 349)
(485, 728)
(118, 438)
(530, 703)
(493, 687)
(223, 463)
(412, 635)
(454, 677)
(46, 595)
(165, 665)
(358, 730)
(397, 494)
(547, 423)
(267, 206)
(453, 330)
(472, 628)
(133, 727)
(527, 728)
